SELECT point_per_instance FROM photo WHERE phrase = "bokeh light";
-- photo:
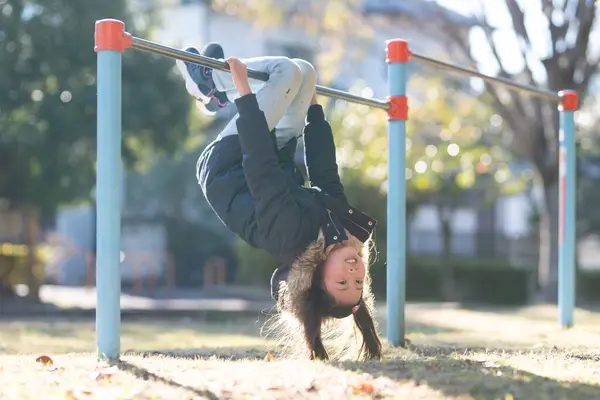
(453, 149)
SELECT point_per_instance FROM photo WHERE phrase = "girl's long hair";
(303, 325)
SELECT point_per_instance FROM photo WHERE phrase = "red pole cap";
(110, 35)
(569, 100)
(398, 108)
(396, 51)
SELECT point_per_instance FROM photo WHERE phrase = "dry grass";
(454, 354)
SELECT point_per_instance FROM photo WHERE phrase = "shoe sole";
(190, 85)
(193, 90)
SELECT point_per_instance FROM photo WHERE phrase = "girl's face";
(343, 274)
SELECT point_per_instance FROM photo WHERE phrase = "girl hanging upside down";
(249, 178)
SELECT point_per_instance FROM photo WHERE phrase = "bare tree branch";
(586, 15)
(519, 101)
(556, 32)
(590, 69)
(512, 114)
(572, 68)
(518, 20)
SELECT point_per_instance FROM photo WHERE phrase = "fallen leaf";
(45, 361)
(269, 357)
(363, 388)
(312, 387)
(102, 376)
(77, 394)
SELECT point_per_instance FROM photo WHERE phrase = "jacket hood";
(292, 291)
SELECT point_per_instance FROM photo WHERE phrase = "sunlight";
(453, 149)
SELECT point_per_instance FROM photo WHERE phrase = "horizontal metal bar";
(546, 94)
(147, 45)
(340, 94)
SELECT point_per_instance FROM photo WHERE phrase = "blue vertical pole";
(397, 59)
(108, 188)
(567, 220)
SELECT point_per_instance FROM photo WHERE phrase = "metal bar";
(147, 45)
(352, 98)
(532, 90)
(566, 248)
(396, 210)
(108, 209)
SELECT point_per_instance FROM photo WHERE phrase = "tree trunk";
(448, 285)
(6, 290)
(548, 261)
(32, 226)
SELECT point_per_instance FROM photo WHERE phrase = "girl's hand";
(314, 98)
(239, 73)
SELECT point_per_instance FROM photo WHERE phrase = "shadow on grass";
(223, 353)
(144, 374)
(447, 369)
(440, 369)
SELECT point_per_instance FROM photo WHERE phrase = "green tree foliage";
(48, 102)
(455, 151)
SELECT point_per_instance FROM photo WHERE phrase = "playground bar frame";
(112, 40)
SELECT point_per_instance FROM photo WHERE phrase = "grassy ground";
(453, 354)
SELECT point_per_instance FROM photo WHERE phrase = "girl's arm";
(319, 153)
(279, 217)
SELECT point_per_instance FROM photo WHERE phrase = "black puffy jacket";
(259, 194)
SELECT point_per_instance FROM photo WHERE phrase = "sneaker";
(213, 105)
(198, 80)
